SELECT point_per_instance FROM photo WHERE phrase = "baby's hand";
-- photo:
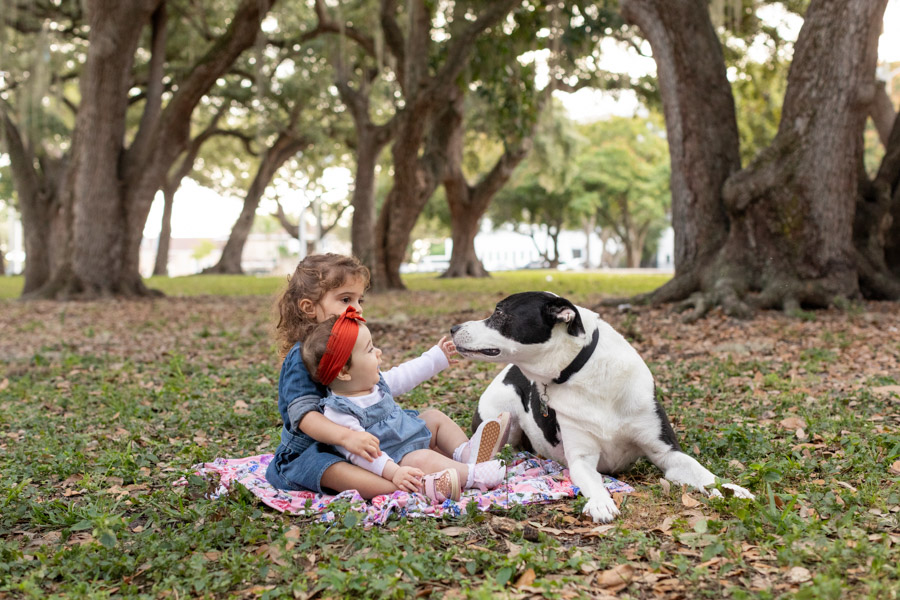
(408, 479)
(448, 348)
(362, 444)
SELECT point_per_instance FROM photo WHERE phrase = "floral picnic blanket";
(530, 480)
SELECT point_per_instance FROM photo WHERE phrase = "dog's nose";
(454, 329)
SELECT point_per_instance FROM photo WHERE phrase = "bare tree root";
(876, 283)
(676, 289)
(68, 286)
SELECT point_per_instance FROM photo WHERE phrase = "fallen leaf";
(526, 578)
(884, 389)
(688, 501)
(454, 531)
(895, 468)
(793, 423)
(616, 576)
(665, 485)
(798, 575)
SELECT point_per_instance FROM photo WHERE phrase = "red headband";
(340, 345)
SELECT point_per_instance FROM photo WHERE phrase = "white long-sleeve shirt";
(400, 380)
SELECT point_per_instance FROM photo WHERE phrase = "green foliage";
(95, 432)
(623, 180)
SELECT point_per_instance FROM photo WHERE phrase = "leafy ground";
(104, 404)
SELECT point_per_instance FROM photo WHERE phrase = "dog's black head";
(529, 317)
(524, 319)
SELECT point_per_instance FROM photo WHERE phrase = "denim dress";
(300, 461)
(399, 431)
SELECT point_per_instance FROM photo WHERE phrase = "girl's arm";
(405, 377)
(320, 428)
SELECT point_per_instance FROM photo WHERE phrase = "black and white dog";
(578, 392)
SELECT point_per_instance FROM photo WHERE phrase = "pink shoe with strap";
(441, 486)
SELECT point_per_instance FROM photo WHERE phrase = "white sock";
(470, 477)
(457, 454)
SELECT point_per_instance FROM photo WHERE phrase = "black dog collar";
(579, 360)
(577, 363)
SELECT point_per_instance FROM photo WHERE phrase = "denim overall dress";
(300, 461)
(399, 431)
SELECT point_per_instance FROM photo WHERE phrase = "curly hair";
(313, 278)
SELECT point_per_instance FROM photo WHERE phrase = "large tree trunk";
(878, 221)
(700, 126)
(789, 214)
(281, 151)
(38, 184)
(416, 177)
(96, 264)
(113, 188)
(363, 201)
(468, 203)
(414, 182)
(161, 266)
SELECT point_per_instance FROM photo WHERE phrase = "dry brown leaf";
(793, 423)
(895, 468)
(526, 578)
(665, 485)
(883, 389)
(454, 531)
(212, 555)
(798, 575)
(616, 576)
(688, 501)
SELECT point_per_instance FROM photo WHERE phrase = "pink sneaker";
(441, 486)
(486, 442)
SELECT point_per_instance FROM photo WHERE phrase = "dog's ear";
(560, 310)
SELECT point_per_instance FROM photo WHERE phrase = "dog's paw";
(739, 492)
(732, 490)
(602, 509)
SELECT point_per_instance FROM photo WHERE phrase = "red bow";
(340, 345)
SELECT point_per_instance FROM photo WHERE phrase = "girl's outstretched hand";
(362, 444)
(448, 348)
(408, 479)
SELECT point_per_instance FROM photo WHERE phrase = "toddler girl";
(340, 353)
(322, 286)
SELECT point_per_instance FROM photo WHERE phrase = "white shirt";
(400, 380)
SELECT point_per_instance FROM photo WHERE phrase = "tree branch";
(136, 155)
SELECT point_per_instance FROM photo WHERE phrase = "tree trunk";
(38, 190)
(793, 209)
(790, 213)
(113, 188)
(416, 177)
(370, 141)
(468, 203)
(161, 267)
(700, 126)
(284, 148)
(877, 225)
(414, 182)
(96, 264)
(589, 225)
(466, 207)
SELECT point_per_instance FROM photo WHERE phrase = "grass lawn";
(103, 405)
